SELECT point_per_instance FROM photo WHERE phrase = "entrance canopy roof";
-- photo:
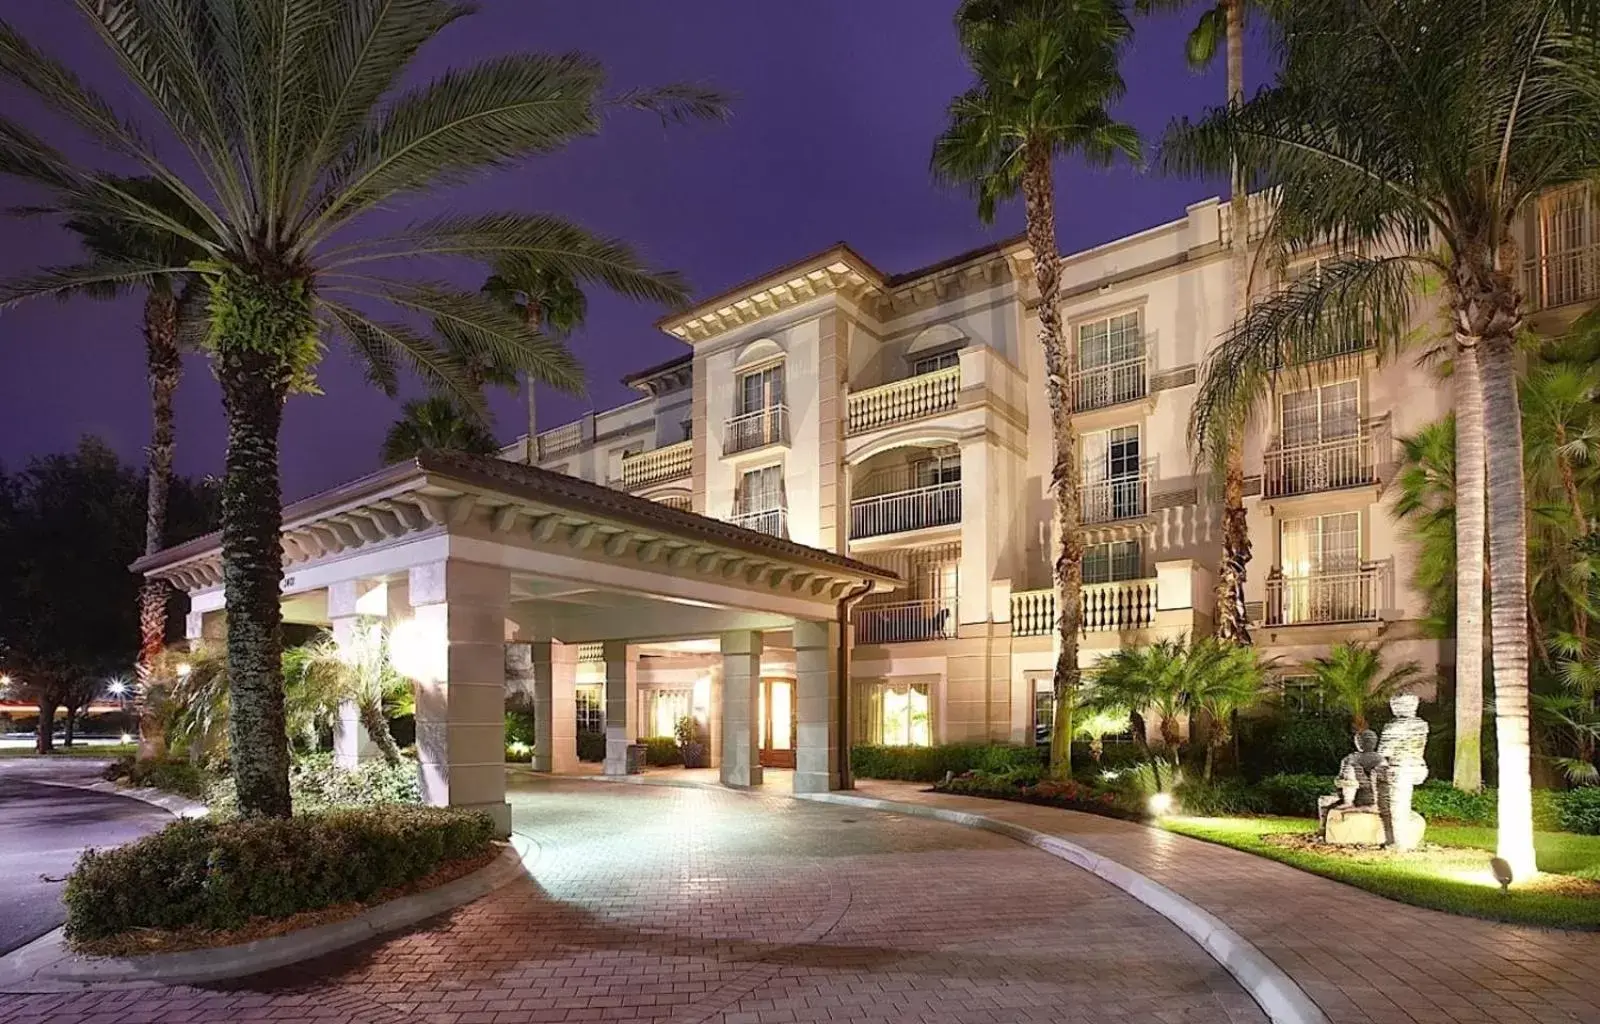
(587, 562)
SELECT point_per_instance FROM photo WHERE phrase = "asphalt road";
(42, 831)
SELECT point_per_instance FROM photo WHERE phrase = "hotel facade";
(834, 435)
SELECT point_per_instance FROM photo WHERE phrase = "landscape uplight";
(1161, 803)
(184, 668)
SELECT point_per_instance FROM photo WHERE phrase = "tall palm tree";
(112, 242)
(1408, 137)
(1223, 21)
(1352, 679)
(1046, 73)
(549, 301)
(295, 122)
(435, 422)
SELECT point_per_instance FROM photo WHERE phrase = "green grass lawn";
(109, 752)
(1452, 874)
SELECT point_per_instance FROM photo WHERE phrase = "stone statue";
(1405, 740)
(1352, 818)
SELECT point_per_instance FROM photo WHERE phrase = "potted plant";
(691, 743)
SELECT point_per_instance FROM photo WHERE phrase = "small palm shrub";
(220, 874)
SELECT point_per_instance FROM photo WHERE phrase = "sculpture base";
(1363, 826)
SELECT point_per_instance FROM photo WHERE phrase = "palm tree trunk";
(1470, 515)
(1569, 484)
(1039, 201)
(254, 385)
(44, 741)
(1231, 622)
(164, 366)
(72, 727)
(531, 317)
(1508, 601)
(377, 726)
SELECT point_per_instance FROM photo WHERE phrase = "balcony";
(1100, 387)
(657, 466)
(1331, 465)
(1109, 501)
(919, 508)
(1355, 595)
(772, 521)
(563, 439)
(1562, 278)
(903, 401)
(752, 430)
(903, 621)
(1107, 608)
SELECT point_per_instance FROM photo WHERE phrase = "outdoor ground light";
(127, 738)
(1502, 873)
(184, 668)
(1161, 803)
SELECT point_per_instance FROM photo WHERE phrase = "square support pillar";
(816, 658)
(741, 699)
(355, 609)
(622, 697)
(458, 626)
(555, 707)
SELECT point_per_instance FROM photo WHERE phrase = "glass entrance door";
(778, 717)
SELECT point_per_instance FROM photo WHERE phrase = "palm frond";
(84, 276)
(384, 345)
(679, 103)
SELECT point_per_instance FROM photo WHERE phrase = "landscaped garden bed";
(209, 882)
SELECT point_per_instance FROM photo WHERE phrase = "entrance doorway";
(779, 719)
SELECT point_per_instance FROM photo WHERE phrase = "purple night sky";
(836, 106)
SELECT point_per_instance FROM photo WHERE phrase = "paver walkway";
(1361, 957)
(690, 905)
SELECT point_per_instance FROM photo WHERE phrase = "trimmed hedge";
(220, 874)
(662, 751)
(929, 764)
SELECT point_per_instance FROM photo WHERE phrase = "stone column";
(714, 718)
(349, 602)
(816, 757)
(555, 707)
(741, 685)
(459, 612)
(622, 700)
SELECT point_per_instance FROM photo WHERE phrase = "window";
(1321, 544)
(591, 708)
(663, 709)
(942, 468)
(1320, 577)
(936, 362)
(1113, 485)
(1116, 339)
(761, 490)
(1044, 710)
(895, 714)
(1113, 562)
(760, 389)
(1320, 414)
(688, 429)
(1569, 229)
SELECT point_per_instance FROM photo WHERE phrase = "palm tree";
(1224, 21)
(1156, 678)
(548, 300)
(358, 672)
(1562, 425)
(1425, 486)
(111, 243)
(1046, 70)
(1408, 137)
(1099, 723)
(293, 116)
(1227, 678)
(1351, 678)
(435, 422)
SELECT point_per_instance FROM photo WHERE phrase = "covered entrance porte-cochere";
(475, 564)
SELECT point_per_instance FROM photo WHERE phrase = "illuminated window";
(1112, 562)
(895, 714)
(591, 708)
(1115, 339)
(663, 709)
(936, 362)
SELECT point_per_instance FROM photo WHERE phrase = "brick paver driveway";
(685, 905)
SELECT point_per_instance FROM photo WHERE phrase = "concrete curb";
(178, 806)
(1283, 1001)
(46, 965)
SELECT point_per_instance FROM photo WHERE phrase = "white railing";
(1562, 278)
(752, 430)
(1107, 608)
(652, 467)
(1121, 497)
(1329, 465)
(1112, 384)
(1260, 208)
(565, 438)
(1352, 596)
(905, 620)
(773, 521)
(903, 511)
(903, 400)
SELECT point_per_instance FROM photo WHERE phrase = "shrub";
(591, 745)
(1212, 799)
(1294, 744)
(1293, 793)
(519, 724)
(929, 764)
(518, 753)
(317, 783)
(216, 874)
(168, 774)
(1578, 810)
(661, 751)
(1439, 801)
(1071, 794)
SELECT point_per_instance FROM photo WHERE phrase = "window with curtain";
(663, 709)
(944, 467)
(760, 389)
(761, 490)
(1112, 562)
(1319, 414)
(895, 714)
(1321, 544)
(1115, 339)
